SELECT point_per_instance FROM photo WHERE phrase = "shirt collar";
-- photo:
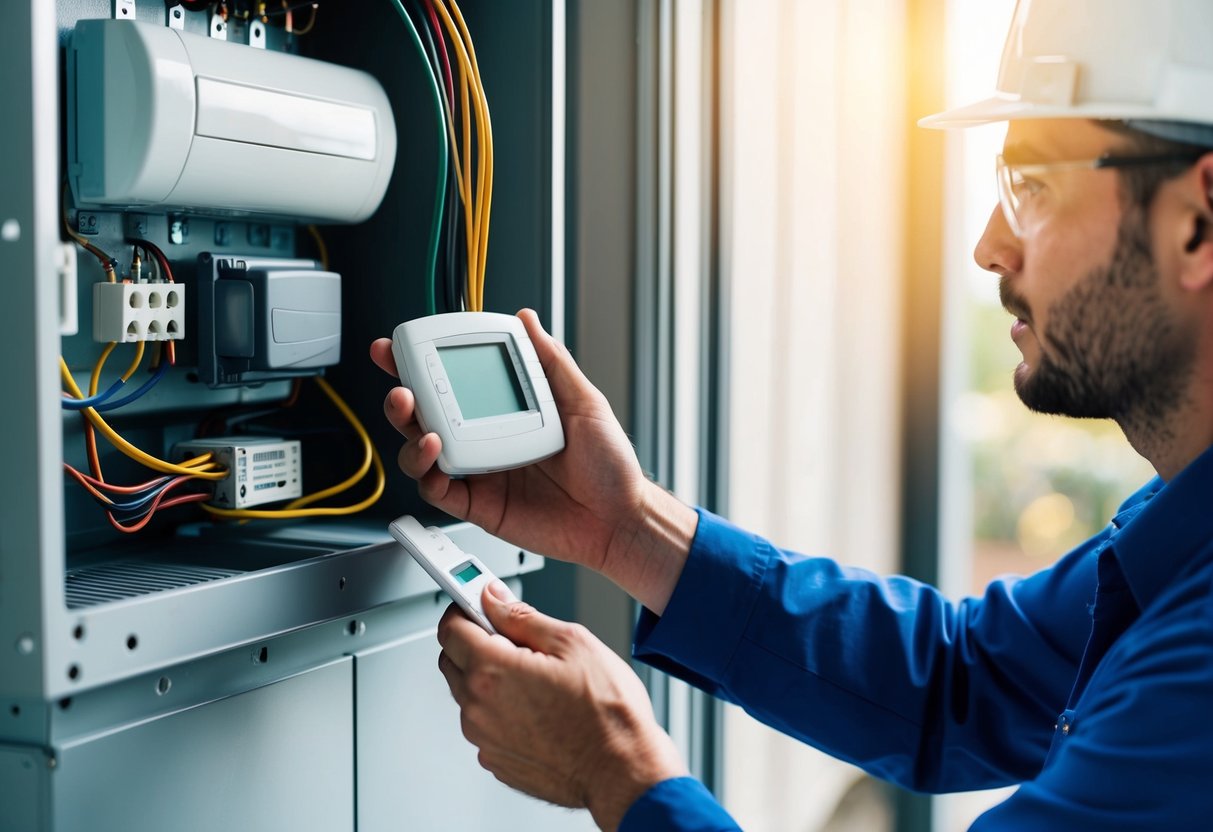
(1170, 522)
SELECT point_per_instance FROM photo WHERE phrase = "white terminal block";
(129, 312)
(259, 470)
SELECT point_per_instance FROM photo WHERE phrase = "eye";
(1025, 186)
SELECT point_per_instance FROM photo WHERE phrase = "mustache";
(1012, 301)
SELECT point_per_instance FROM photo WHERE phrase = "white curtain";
(813, 125)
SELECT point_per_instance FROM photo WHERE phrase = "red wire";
(151, 511)
(446, 60)
(86, 480)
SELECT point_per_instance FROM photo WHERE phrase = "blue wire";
(136, 505)
(147, 385)
(92, 401)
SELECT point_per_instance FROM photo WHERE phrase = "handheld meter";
(463, 576)
(478, 384)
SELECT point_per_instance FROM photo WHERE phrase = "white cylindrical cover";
(159, 118)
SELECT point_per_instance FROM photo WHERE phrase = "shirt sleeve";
(884, 673)
(681, 804)
(1137, 754)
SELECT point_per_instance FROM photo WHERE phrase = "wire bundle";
(470, 179)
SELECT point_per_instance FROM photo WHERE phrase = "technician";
(1089, 684)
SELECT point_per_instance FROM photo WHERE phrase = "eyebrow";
(1023, 152)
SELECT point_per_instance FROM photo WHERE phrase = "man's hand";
(590, 504)
(554, 712)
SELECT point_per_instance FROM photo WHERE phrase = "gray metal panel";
(31, 509)
(23, 788)
(415, 769)
(276, 758)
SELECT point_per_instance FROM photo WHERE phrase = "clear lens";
(1008, 197)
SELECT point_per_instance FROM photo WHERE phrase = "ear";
(1196, 226)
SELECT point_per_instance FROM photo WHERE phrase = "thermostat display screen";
(465, 573)
(483, 380)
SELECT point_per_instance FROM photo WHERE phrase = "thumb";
(558, 364)
(520, 622)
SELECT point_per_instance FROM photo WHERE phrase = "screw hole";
(177, 13)
(136, 300)
(132, 328)
(153, 300)
(132, 642)
(73, 672)
(173, 300)
(65, 703)
(356, 628)
(78, 632)
(163, 685)
(172, 327)
(341, 584)
(15, 710)
(153, 328)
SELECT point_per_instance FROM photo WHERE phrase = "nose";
(999, 250)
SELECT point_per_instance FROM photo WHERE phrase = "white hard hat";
(1131, 60)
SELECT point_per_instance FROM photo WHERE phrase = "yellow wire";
(126, 447)
(477, 211)
(321, 248)
(294, 509)
(463, 178)
(484, 193)
(95, 379)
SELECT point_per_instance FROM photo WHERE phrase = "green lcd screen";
(483, 380)
(465, 573)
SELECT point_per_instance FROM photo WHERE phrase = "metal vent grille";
(114, 581)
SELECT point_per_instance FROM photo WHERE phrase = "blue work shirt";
(1089, 684)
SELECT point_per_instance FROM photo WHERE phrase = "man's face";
(1099, 336)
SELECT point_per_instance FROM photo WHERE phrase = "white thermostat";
(478, 384)
(463, 576)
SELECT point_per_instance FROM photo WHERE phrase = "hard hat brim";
(1007, 108)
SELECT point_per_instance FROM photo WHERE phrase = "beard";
(1113, 349)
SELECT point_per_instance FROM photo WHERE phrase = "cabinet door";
(276, 758)
(415, 769)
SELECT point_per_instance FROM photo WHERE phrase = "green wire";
(440, 186)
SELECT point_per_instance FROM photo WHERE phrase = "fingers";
(562, 372)
(456, 679)
(417, 458)
(399, 409)
(526, 626)
(381, 354)
(461, 639)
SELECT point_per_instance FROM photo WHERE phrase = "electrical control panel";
(209, 211)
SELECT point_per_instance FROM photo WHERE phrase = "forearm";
(882, 672)
(646, 557)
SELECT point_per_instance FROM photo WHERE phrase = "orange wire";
(189, 498)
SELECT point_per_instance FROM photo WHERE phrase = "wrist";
(619, 786)
(647, 554)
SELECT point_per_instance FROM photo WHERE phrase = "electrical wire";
(321, 248)
(108, 264)
(447, 275)
(475, 186)
(440, 180)
(139, 393)
(296, 508)
(70, 403)
(127, 448)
